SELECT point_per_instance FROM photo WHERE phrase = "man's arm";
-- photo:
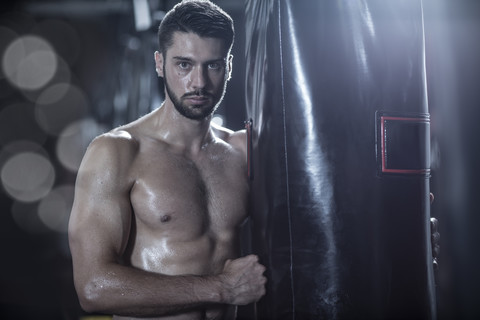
(98, 233)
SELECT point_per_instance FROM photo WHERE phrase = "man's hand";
(243, 280)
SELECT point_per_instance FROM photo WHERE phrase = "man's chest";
(172, 191)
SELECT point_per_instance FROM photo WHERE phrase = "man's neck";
(179, 131)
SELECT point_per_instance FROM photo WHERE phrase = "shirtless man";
(158, 202)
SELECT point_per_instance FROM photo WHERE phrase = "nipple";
(165, 218)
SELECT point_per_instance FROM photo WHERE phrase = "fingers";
(244, 279)
(250, 261)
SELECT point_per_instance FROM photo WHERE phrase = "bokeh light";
(69, 105)
(29, 62)
(28, 176)
(53, 93)
(74, 140)
(18, 123)
(54, 209)
(218, 120)
(61, 77)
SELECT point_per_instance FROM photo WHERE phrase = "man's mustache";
(197, 93)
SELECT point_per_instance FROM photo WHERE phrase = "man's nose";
(199, 78)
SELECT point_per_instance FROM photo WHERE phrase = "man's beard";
(194, 113)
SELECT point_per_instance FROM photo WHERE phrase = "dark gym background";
(106, 56)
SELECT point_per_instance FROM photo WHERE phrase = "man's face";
(195, 72)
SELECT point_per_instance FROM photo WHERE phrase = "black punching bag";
(340, 144)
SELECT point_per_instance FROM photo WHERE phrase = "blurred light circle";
(29, 62)
(74, 140)
(55, 116)
(54, 209)
(218, 119)
(53, 93)
(61, 78)
(26, 217)
(27, 176)
(18, 122)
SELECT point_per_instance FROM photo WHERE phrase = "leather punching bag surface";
(340, 196)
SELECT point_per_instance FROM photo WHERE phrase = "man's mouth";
(197, 99)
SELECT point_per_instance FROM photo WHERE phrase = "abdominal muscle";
(202, 255)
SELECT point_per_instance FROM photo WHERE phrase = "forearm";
(122, 290)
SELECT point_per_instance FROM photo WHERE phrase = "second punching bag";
(340, 197)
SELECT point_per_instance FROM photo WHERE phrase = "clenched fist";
(243, 280)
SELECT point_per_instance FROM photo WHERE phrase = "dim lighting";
(62, 37)
(54, 209)
(7, 36)
(18, 123)
(25, 216)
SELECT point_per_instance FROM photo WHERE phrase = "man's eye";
(214, 66)
(184, 65)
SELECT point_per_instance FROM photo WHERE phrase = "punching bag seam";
(286, 155)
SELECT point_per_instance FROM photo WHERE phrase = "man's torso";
(186, 210)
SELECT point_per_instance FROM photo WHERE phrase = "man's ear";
(158, 63)
(229, 66)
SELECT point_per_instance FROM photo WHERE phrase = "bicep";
(101, 214)
(99, 225)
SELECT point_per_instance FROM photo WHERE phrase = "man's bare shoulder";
(236, 139)
(115, 148)
(116, 140)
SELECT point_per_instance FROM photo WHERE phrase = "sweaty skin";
(158, 205)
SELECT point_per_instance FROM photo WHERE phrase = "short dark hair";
(201, 17)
